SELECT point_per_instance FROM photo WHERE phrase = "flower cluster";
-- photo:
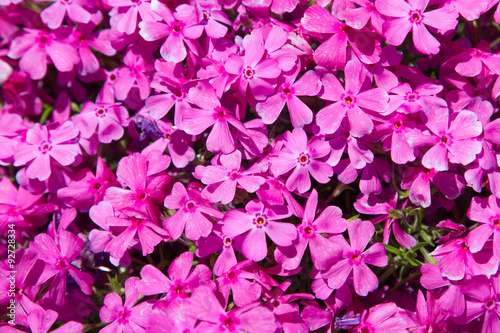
(250, 166)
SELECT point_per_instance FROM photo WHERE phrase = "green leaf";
(394, 250)
(418, 247)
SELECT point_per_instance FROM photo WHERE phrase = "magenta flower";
(332, 52)
(54, 14)
(21, 207)
(483, 301)
(237, 279)
(453, 141)
(456, 261)
(300, 114)
(212, 113)
(204, 306)
(58, 259)
(410, 16)
(324, 252)
(191, 213)
(303, 157)
(46, 145)
(486, 211)
(107, 119)
(183, 279)
(222, 179)
(259, 220)
(125, 317)
(411, 101)
(146, 187)
(372, 205)
(181, 29)
(354, 259)
(127, 22)
(138, 63)
(10, 128)
(253, 71)
(215, 242)
(350, 101)
(33, 49)
(380, 319)
(429, 317)
(87, 189)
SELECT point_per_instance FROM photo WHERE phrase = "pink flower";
(146, 185)
(303, 157)
(212, 113)
(54, 14)
(127, 22)
(354, 259)
(237, 279)
(222, 179)
(125, 317)
(183, 279)
(204, 306)
(58, 259)
(300, 114)
(253, 71)
(411, 101)
(33, 49)
(85, 189)
(46, 145)
(191, 213)
(381, 318)
(259, 220)
(350, 101)
(453, 141)
(456, 261)
(107, 119)
(324, 252)
(406, 16)
(10, 128)
(487, 212)
(483, 293)
(181, 29)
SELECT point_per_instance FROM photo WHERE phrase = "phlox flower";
(53, 15)
(11, 125)
(183, 279)
(487, 212)
(372, 205)
(87, 189)
(46, 145)
(381, 71)
(252, 318)
(181, 29)
(146, 187)
(395, 133)
(21, 207)
(237, 279)
(170, 317)
(125, 317)
(137, 65)
(456, 261)
(212, 113)
(358, 17)
(452, 300)
(324, 252)
(429, 317)
(58, 258)
(354, 260)
(483, 301)
(215, 242)
(332, 53)
(107, 119)
(191, 213)
(381, 318)
(406, 16)
(126, 21)
(212, 18)
(404, 99)
(418, 181)
(350, 101)
(222, 179)
(40, 320)
(304, 158)
(34, 46)
(454, 141)
(253, 71)
(259, 220)
(288, 90)
(273, 39)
